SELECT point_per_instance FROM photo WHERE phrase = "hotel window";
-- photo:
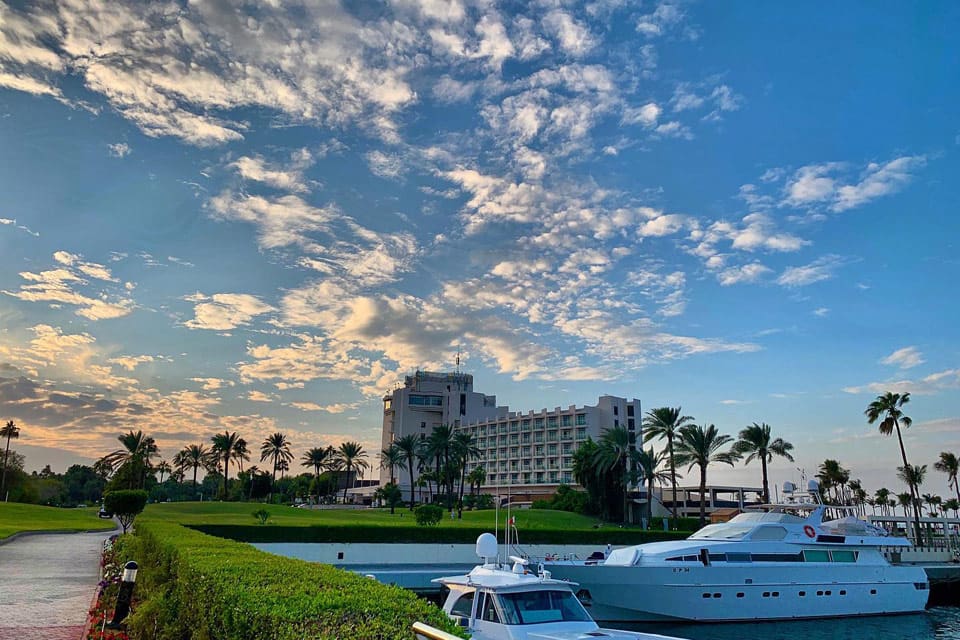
(552, 449)
(567, 477)
(629, 410)
(567, 447)
(503, 427)
(514, 477)
(514, 452)
(525, 452)
(387, 404)
(581, 434)
(616, 410)
(526, 424)
(426, 401)
(567, 421)
(525, 438)
(538, 423)
(566, 434)
(554, 476)
(526, 478)
(540, 477)
(552, 421)
(581, 418)
(539, 450)
(515, 426)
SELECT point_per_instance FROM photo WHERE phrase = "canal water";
(938, 623)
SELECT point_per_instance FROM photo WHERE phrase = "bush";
(262, 515)
(565, 499)
(428, 515)
(196, 586)
(125, 505)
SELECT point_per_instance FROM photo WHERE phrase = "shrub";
(125, 505)
(196, 586)
(565, 499)
(428, 515)
(262, 515)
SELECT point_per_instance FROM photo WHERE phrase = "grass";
(286, 524)
(17, 518)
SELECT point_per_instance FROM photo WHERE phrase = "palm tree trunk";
(673, 477)
(766, 486)
(3, 478)
(703, 494)
(195, 482)
(410, 464)
(463, 476)
(913, 490)
(346, 483)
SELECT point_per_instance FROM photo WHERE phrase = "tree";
(163, 468)
(463, 448)
(584, 472)
(833, 476)
(194, 456)
(9, 431)
(476, 478)
(666, 422)
(905, 500)
(755, 441)
(951, 505)
(136, 452)
(409, 445)
(391, 458)
(882, 496)
(888, 408)
(351, 455)
(241, 453)
(648, 464)
(223, 446)
(699, 445)
(932, 502)
(125, 505)
(913, 476)
(390, 495)
(949, 465)
(275, 448)
(318, 458)
(616, 457)
(437, 449)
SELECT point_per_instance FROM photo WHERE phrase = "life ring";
(807, 529)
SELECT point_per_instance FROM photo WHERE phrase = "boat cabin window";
(842, 555)
(722, 531)
(769, 533)
(536, 607)
(487, 609)
(816, 555)
(464, 605)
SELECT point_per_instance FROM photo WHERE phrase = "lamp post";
(125, 595)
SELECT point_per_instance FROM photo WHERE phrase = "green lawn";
(233, 513)
(15, 517)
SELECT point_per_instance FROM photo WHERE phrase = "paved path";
(47, 584)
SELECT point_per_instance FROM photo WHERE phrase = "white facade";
(530, 452)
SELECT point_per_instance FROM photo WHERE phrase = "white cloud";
(744, 273)
(928, 385)
(574, 38)
(905, 358)
(288, 178)
(664, 17)
(817, 271)
(131, 362)
(647, 115)
(821, 312)
(384, 165)
(119, 150)
(877, 181)
(225, 311)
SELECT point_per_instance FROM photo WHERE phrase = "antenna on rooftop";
(458, 358)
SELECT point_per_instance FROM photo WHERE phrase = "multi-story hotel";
(530, 453)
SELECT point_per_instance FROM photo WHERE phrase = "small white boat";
(509, 602)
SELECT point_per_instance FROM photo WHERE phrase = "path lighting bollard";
(125, 595)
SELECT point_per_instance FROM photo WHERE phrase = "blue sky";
(257, 218)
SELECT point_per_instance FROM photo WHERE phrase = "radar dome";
(789, 487)
(813, 486)
(487, 545)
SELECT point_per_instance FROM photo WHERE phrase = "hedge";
(196, 586)
(428, 535)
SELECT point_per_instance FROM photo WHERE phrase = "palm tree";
(275, 448)
(932, 502)
(755, 441)
(913, 475)
(351, 454)
(616, 457)
(698, 445)
(391, 458)
(163, 468)
(409, 446)
(881, 496)
(951, 505)
(905, 500)
(318, 458)
(437, 450)
(195, 456)
(223, 444)
(666, 422)
(949, 465)
(648, 464)
(137, 450)
(832, 476)
(888, 408)
(476, 478)
(858, 495)
(463, 448)
(9, 431)
(241, 453)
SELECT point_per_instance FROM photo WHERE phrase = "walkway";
(48, 583)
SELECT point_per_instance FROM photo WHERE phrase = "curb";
(24, 534)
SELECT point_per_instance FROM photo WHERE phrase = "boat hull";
(713, 593)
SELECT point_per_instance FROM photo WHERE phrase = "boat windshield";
(722, 531)
(536, 607)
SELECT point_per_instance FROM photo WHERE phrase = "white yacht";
(504, 602)
(788, 561)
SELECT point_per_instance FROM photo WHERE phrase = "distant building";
(717, 497)
(526, 454)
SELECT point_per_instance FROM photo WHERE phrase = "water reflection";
(940, 623)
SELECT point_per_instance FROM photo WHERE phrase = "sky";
(260, 217)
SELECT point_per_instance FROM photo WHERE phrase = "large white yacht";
(785, 561)
(504, 602)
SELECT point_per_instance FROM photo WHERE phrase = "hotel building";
(531, 453)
